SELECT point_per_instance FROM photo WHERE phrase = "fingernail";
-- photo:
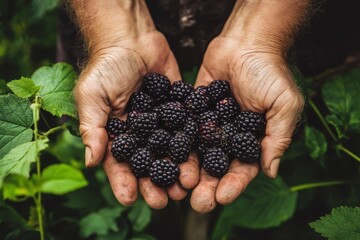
(88, 157)
(274, 166)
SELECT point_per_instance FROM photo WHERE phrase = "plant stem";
(322, 119)
(348, 152)
(55, 129)
(36, 112)
(315, 185)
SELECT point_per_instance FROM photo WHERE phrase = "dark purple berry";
(141, 102)
(114, 127)
(157, 86)
(217, 90)
(180, 90)
(208, 116)
(163, 172)
(179, 147)
(172, 116)
(248, 121)
(216, 163)
(197, 101)
(140, 162)
(226, 109)
(246, 147)
(123, 147)
(158, 142)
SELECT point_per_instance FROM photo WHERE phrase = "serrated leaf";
(24, 87)
(18, 160)
(343, 223)
(15, 121)
(100, 222)
(341, 97)
(56, 84)
(17, 188)
(60, 179)
(264, 204)
(140, 215)
(315, 141)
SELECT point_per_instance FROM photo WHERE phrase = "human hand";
(260, 82)
(115, 70)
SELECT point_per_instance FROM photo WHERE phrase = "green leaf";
(341, 97)
(190, 76)
(40, 7)
(15, 121)
(140, 215)
(9, 216)
(24, 87)
(57, 83)
(315, 141)
(18, 160)
(264, 204)
(343, 223)
(60, 179)
(100, 222)
(17, 188)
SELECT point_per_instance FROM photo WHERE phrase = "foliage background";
(325, 62)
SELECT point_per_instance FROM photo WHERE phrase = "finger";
(155, 197)
(122, 181)
(93, 113)
(176, 192)
(189, 172)
(234, 182)
(203, 196)
(281, 122)
(204, 77)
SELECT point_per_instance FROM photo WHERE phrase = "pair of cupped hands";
(259, 79)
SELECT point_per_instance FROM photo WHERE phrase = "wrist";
(268, 25)
(110, 23)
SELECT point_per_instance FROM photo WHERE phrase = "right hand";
(112, 74)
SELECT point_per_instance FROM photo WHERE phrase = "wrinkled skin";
(104, 87)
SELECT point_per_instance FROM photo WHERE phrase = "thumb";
(281, 122)
(93, 113)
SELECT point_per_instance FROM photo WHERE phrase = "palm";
(260, 82)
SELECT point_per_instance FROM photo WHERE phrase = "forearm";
(106, 22)
(270, 23)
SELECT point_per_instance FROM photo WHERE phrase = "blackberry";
(179, 147)
(208, 116)
(210, 134)
(157, 86)
(141, 161)
(123, 147)
(248, 121)
(191, 128)
(163, 172)
(217, 90)
(197, 101)
(172, 116)
(216, 163)
(228, 132)
(180, 90)
(141, 102)
(158, 142)
(114, 127)
(226, 109)
(131, 118)
(144, 124)
(246, 147)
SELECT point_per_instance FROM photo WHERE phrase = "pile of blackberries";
(165, 122)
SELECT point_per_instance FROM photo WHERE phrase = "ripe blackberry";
(114, 127)
(158, 142)
(210, 134)
(141, 161)
(163, 172)
(131, 118)
(248, 121)
(246, 147)
(123, 147)
(140, 101)
(144, 124)
(197, 101)
(208, 116)
(180, 90)
(228, 132)
(191, 128)
(226, 109)
(217, 90)
(179, 147)
(216, 163)
(157, 86)
(172, 116)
